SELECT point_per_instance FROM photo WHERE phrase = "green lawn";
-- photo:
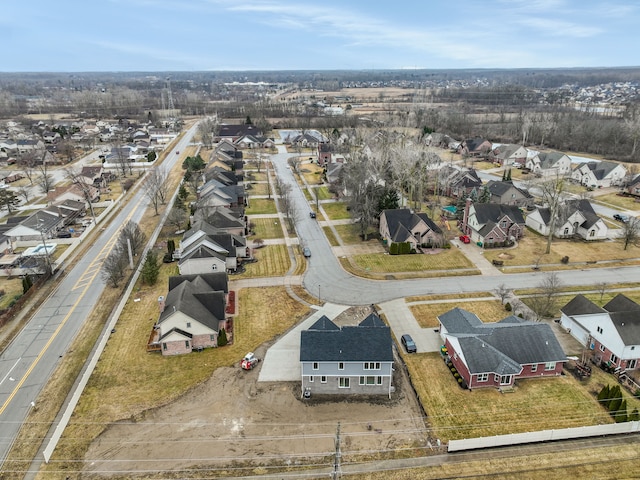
(336, 210)
(447, 259)
(259, 206)
(267, 228)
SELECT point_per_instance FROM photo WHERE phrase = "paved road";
(27, 364)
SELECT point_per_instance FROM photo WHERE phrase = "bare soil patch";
(233, 420)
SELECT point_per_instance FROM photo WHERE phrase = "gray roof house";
(575, 218)
(506, 193)
(599, 174)
(402, 225)
(192, 314)
(611, 332)
(497, 354)
(349, 360)
(491, 223)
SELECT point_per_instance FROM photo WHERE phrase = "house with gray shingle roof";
(193, 313)
(348, 360)
(492, 224)
(474, 147)
(599, 174)
(549, 164)
(402, 225)
(497, 354)
(575, 218)
(611, 332)
(508, 154)
(506, 193)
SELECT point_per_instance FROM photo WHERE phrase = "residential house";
(193, 313)
(492, 224)
(218, 246)
(611, 333)
(549, 164)
(458, 183)
(347, 361)
(599, 174)
(223, 220)
(234, 132)
(506, 193)
(632, 186)
(474, 147)
(39, 225)
(575, 218)
(439, 140)
(402, 225)
(92, 175)
(74, 192)
(507, 154)
(254, 141)
(497, 354)
(305, 140)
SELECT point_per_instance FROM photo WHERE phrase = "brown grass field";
(258, 189)
(273, 261)
(625, 203)
(532, 247)
(427, 313)
(446, 259)
(312, 173)
(451, 296)
(330, 236)
(350, 235)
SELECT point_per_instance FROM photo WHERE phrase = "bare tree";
(155, 187)
(115, 266)
(630, 232)
(24, 191)
(44, 180)
(544, 303)
(502, 292)
(177, 217)
(553, 196)
(75, 177)
(602, 288)
(132, 235)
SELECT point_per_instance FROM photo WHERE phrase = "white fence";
(543, 436)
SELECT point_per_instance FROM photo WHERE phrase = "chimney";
(465, 216)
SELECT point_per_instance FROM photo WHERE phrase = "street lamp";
(319, 297)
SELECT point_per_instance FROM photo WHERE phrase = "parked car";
(306, 252)
(465, 239)
(408, 343)
(312, 214)
(64, 234)
(621, 218)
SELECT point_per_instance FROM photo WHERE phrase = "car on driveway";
(408, 343)
(465, 239)
(621, 218)
(306, 251)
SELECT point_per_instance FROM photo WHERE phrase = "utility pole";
(336, 474)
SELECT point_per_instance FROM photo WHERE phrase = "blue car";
(408, 343)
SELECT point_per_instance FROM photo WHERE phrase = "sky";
(210, 35)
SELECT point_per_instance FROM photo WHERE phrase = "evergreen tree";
(620, 415)
(171, 246)
(634, 416)
(460, 204)
(485, 195)
(150, 268)
(183, 193)
(27, 283)
(504, 175)
(222, 338)
(603, 396)
(509, 175)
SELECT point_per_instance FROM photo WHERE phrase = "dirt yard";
(233, 419)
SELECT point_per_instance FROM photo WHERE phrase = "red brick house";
(474, 147)
(491, 224)
(497, 354)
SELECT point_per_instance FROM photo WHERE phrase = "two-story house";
(490, 223)
(612, 332)
(402, 225)
(506, 193)
(348, 360)
(574, 218)
(549, 164)
(599, 174)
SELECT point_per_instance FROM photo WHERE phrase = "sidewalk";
(476, 255)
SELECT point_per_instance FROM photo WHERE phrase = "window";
(212, 338)
(613, 358)
(550, 366)
(361, 381)
(534, 368)
(483, 377)
(315, 365)
(599, 329)
(566, 231)
(592, 233)
(379, 380)
(214, 267)
(602, 348)
(632, 364)
(372, 365)
(311, 379)
(186, 343)
(323, 379)
(371, 380)
(188, 324)
(344, 382)
(505, 379)
(341, 366)
(164, 345)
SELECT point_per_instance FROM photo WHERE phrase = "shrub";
(222, 337)
(603, 396)
(634, 416)
(405, 248)
(507, 307)
(565, 259)
(393, 249)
